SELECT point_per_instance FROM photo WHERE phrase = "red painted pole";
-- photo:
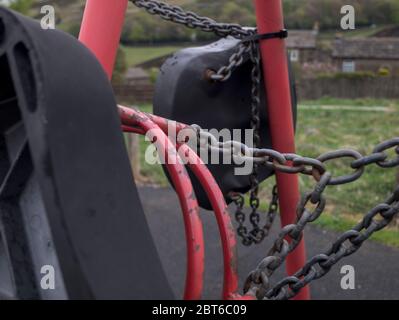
(269, 15)
(131, 120)
(101, 29)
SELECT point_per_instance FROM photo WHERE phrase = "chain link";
(258, 281)
(347, 244)
(194, 21)
(310, 207)
(292, 163)
(236, 59)
(191, 19)
(257, 234)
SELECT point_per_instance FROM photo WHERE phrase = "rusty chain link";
(257, 234)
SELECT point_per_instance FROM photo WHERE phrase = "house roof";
(366, 48)
(301, 39)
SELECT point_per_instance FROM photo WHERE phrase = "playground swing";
(65, 183)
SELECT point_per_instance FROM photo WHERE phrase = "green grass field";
(323, 130)
(319, 131)
(137, 55)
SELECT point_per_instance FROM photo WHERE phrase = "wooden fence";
(379, 88)
(134, 93)
(308, 89)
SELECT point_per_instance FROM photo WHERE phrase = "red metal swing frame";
(101, 30)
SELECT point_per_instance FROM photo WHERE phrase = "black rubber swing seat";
(67, 196)
(183, 93)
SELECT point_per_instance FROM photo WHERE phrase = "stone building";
(302, 45)
(367, 54)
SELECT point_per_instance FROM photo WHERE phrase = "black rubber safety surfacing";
(184, 94)
(67, 196)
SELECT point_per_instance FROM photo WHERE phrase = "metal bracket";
(282, 34)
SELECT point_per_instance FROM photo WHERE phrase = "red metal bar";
(226, 229)
(101, 29)
(227, 233)
(269, 16)
(185, 192)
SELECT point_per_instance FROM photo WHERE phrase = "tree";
(234, 13)
(22, 6)
(120, 67)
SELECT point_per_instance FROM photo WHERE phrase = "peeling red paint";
(192, 222)
(226, 229)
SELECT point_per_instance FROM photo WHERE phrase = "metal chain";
(292, 163)
(236, 59)
(255, 92)
(257, 234)
(194, 21)
(258, 282)
(319, 265)
(288, 239)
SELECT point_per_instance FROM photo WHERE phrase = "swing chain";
(310, 207)
(258, 282)
(236, 59)
(257, 234)
(193, 21)
(288, 239)
(319, 265)
(292, 163)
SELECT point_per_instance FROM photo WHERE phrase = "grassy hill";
(137, 55)
(70, 12)
(299, 14)
(149, 31)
